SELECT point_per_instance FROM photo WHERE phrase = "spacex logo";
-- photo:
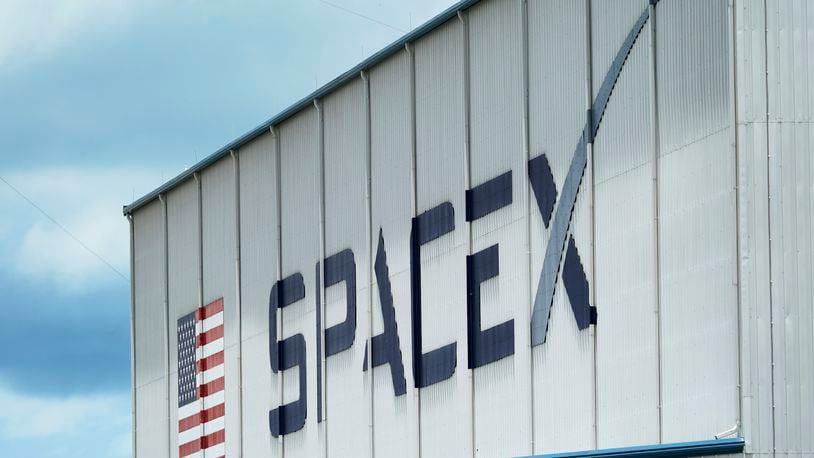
(484, 346)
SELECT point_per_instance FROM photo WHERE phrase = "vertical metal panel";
(756, 360)
(151, 426)
(557, 106)
(346, 210)
(258, 270)
(610, 23)
(789, 45)
(395, 417)
(501, 409)
(183, 242)
(697, 222)
(300, 188)
(148, 233)
(440, 173)
(627, 333)
(219, 225)
(150, 338)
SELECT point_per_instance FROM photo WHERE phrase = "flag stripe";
(202, 407)
(209, 310)
(210, 361)
(209, 336)
(212, 387)
(201, 417)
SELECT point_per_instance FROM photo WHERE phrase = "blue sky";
(100, 102)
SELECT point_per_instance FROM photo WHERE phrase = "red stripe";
(202, 443)
(209, 309)
(209, 336)
(202, 417)
(210, 361)
(212, 387)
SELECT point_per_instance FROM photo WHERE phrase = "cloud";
(89, 425)
(33, 29)
(87, 202)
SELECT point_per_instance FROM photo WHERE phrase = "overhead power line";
(66, 231)
(356, 13)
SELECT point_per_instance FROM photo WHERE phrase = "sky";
(101, 101)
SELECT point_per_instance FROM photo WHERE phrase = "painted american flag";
(201, 400)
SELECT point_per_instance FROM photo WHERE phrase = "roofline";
(307, 101)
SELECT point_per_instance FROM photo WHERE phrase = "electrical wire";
(355, 13)
(65, 230)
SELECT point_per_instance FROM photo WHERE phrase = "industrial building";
(528, 227)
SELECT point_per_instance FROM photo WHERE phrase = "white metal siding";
(151, 419)
(151, 388)
(753, 222)
(501, 411)
(697, 226)
(347, 397)
(300, 188)
(395, 418)
(627, 334)
(183, 278)
(258, 271)
(790, 41)
(564, 363)
(440, 174)
(219, 226)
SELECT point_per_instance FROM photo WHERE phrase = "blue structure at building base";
(696, 448)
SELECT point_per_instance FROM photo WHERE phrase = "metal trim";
(337, 82)
(696, 448)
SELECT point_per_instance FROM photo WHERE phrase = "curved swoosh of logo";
(562, 218)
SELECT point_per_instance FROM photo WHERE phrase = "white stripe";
(214, 426)
(209, 375)
(209, 349)
(212, 322)
(203, 404)
(190, 435)
(198, 454)
(215, 451)
(201, 430)
(189, 410)
(214, 399)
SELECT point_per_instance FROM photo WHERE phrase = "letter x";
(573, 275)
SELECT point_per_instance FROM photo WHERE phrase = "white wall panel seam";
(369, 253)
(321, 301)
(769, 216)
(133, 335)
(463, 18)
(410, 48)
(590, 151)
(163, 199)
(527, 211)
(654, 121)
(733, 108)
(238, 303)
(275, 132)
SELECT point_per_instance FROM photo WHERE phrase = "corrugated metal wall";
(440, 110)
(259, 233)
(774, 115)
(183, 278)
(627, 345)
(391, 146)
(151, 390)
(697, 221)
(557, 32)
(346, 227)
(694, 237)
(300, 175)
